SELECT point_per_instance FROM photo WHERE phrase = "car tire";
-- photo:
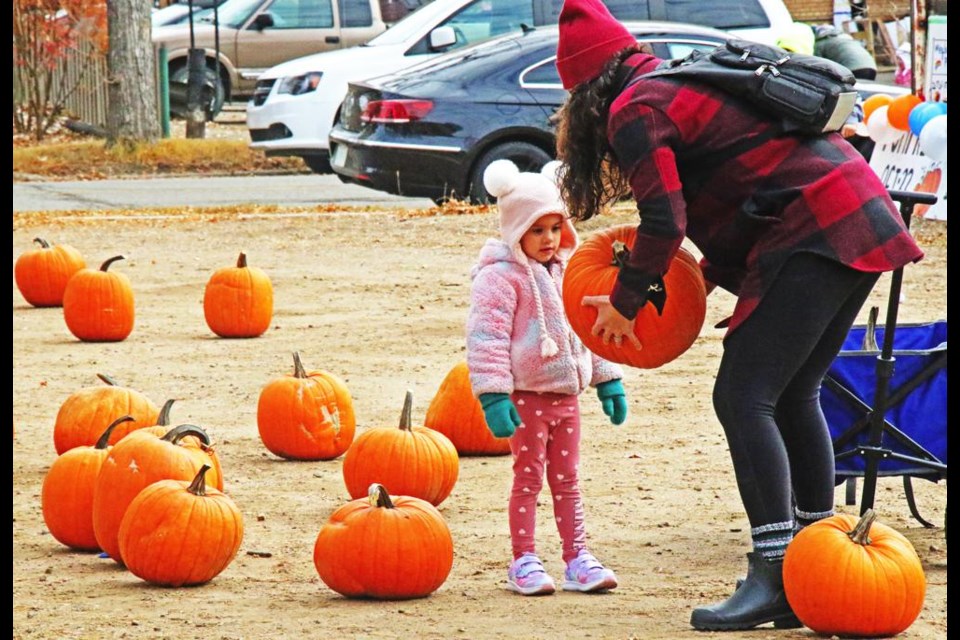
(182, 75)
(527, 157)
(318, 164)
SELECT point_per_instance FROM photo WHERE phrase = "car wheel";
(527, 157)
(182, 75)
(318, 164)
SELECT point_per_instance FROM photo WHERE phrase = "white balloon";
(879, 127)
(933, 138)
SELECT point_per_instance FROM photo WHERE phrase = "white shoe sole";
(603, 584)
(539, 590)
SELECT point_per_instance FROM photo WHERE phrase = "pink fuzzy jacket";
(504, 330)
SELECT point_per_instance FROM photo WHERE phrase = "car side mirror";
(263, 21)
(442, 37)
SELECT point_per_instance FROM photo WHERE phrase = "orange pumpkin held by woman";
(42, 274)
(98, 304)
(306, 416)
(238, 301)
(593, 270)
(367, 547)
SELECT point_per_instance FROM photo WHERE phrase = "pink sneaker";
(585, 573)
(528, 577)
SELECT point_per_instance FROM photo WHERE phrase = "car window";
(621, 10)
(721, 14)
(355, 13)
(682, 49)
(234, 13)
(481, 20)
(302, 14)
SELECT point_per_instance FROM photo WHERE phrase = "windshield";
(233, 13)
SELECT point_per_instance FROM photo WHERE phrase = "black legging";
(767, 393)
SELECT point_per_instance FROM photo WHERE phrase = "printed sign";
(903, 167)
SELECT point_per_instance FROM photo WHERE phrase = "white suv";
(294, 103)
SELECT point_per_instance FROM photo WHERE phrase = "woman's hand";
(610, 324)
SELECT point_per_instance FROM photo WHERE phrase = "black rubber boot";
(759, 600)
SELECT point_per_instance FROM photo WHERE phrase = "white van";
(294, 103)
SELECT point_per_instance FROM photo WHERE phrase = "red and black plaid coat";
(704, 165)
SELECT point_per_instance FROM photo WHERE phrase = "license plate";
(339, 158)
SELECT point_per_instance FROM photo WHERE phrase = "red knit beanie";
(589, 37)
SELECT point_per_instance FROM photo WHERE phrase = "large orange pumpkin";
(306, 416)
(177, 533)
(86, 413)
(42, 274)
(593, 270)
(384, 546)
(66, 498)
(456, 413)
(414, 461)
(238, 301)
(845, 577)
(98, 304)
(140, 459)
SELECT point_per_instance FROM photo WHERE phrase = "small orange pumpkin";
(140, 459)
(415, 461)
(42, 274)
(86, 413)
(158, 544)
(593, 270)
(66, 498)
(456, 413)
(98, 305)
(306, 416)
(238, 301)
(849, 577)
(367, 547)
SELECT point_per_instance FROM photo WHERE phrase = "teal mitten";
(613, 399)
(502, 417)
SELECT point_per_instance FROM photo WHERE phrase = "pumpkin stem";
(378, 496)
(176, 434)
(298, 370)
(107, 263)
(105, 436)
(621, 252)
(163, 419)
(861, 532)
(43, 243)
(199, 485)
(110, 381)
(407, 409)
(242, 260)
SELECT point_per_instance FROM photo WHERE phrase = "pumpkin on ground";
(42, 274)
(593, 270)
(238, 301)
(86, 413)
(412, 460)
(456, 413)
(66, 498)
(306, 416)
(177, 533)
(844, 577)
(140, 459)
(98, 304)
(369, 547)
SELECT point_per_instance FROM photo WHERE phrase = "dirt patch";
(380, 300)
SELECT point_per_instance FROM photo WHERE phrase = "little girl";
(527, 368)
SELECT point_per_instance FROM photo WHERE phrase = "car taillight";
(395, 111)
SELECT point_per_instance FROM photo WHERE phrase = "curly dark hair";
(590, 178)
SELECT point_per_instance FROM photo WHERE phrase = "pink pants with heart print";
(547, 442)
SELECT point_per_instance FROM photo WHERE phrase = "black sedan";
(431, 130)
